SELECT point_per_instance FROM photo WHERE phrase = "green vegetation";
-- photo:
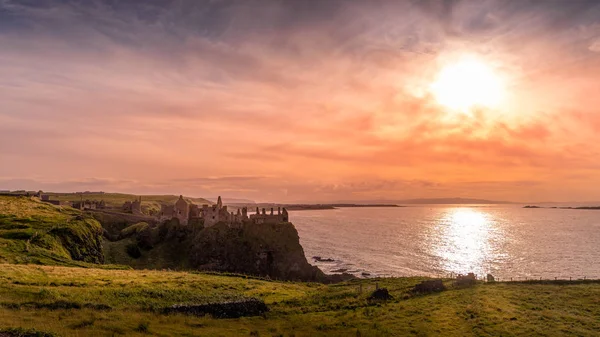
(141, 246)
(115, 200)
(20, 332)
(134, 229)
(257, 249)
(96, 302)
(34, 232)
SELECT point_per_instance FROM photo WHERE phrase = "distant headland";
(564, 207)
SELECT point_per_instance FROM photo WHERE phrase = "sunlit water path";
(506, 241)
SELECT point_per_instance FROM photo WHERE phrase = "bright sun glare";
(466, 84)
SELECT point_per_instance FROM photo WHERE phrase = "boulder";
(381, 294)
(466, 280)
(429, 286)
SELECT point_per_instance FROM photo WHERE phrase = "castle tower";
(219, 203)
(285, 215)
(136, 206)
(182, 210)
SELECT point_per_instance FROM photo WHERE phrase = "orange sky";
(289, 102)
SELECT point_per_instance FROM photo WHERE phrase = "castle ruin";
(185, 211)
(134, 207)
(88, 204)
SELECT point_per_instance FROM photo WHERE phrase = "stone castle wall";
(213, 214)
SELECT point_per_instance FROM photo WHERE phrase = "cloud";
(326, 98)
(595, 46)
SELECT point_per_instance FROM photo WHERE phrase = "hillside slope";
(35, 232)
(94, 302)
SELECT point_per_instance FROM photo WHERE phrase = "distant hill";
(454, 201)
(429, 201)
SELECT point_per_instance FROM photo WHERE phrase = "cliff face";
(272, 250)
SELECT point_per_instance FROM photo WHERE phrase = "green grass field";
(48, 282)
(126, 302)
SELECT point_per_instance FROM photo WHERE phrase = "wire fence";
(502, 278)
(491, 278)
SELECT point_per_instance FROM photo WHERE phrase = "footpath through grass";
(96, 302)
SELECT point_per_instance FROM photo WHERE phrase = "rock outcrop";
(271, 250)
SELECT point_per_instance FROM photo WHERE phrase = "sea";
(507, 241)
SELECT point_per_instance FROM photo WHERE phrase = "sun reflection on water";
(464, 241)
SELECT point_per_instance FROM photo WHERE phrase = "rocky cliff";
(271, 250)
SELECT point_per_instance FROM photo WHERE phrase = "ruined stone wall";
(210, 215)
(271, 218)
(182, 210)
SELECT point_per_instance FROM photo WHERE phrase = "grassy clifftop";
(40, 233)
(94, 302)
(116, 200)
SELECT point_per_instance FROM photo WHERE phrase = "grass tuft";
(143, 327)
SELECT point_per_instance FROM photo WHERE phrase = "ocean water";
(505, 240)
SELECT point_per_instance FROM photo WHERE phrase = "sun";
(467, 84)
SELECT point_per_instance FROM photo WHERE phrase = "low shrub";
(143, 327)
(16, 235)
(429, 286)
(20, 332)
(232, 309)
(381, 294)
(134, 251)
(8, 226)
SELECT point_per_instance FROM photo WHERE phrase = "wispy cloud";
(288, 99)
